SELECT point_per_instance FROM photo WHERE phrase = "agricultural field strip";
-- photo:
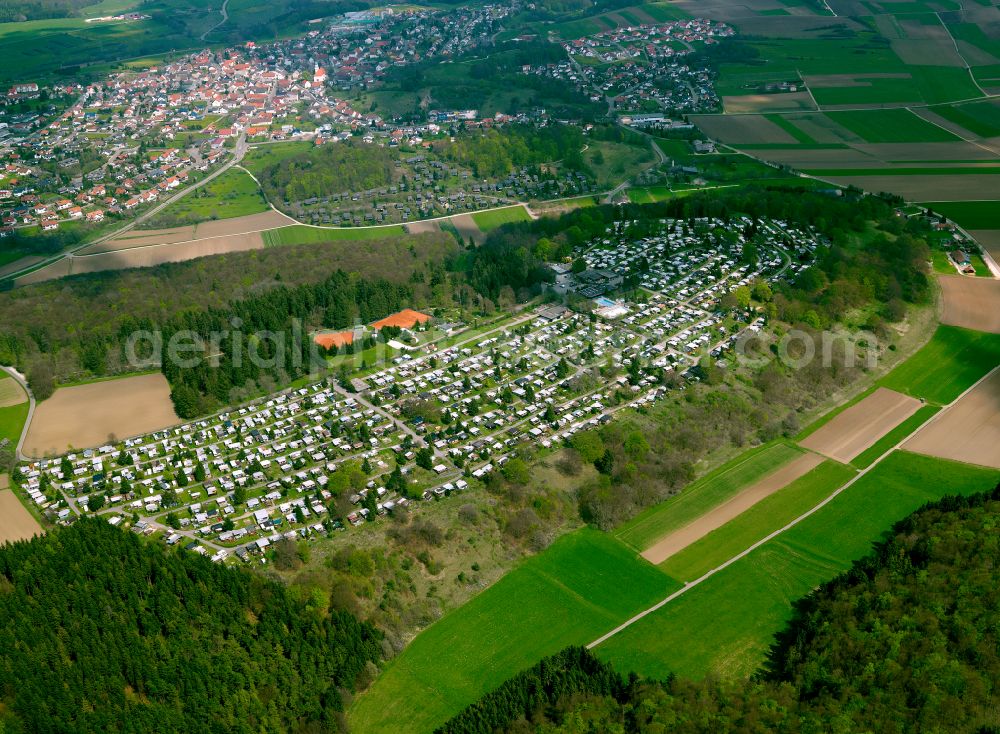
(743, 554)
(585, 409)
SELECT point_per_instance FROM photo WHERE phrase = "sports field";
(492, 219)
(700, 496)
(725, 625)
(585, 583)
(947, 365)
(84, 416)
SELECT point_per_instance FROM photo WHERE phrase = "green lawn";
(891, 126)
(298, 234)
(492, 219)
(583, 585)
(969, 214)
(260, 157)
(613, 163)
(763, 518)
(725, 625)
(702, 495)
(952, 361)
(232, 194)
(867, 457)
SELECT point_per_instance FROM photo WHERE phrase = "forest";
(104, 632)
(328, 169)
(495, 153)
(906, 640)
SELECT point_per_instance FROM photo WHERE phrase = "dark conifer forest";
(101, 631)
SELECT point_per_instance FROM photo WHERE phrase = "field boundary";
(771, 536)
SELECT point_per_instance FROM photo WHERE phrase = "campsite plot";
(973, 303)
(719, 516)
(89, 415)
(855, 429)
(16, 523)
(968, 431)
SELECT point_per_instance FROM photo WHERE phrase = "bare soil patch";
(906, 152)
(830, 81)
(990, 241)
(423, 226)
(967, 431)
(85, 416)
(20, 264)
(861, 425)
(145, 256)
(973, 303)
(768, 102)
(819, 158)
(16, 523)
(716, 518)
(11, 392)
(967, 187)
(747, 129)
(467, 227)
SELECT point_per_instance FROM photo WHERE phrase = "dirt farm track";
(85, 416)
(861, 425)
(967, 431)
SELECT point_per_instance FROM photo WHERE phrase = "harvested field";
(219, 228)
(971, 186)
(11, 392)
(20, 264)
(716, 518)
(240, 225)
(468, 228)
(944, 151)
(968, 431)
(855, 429)
(973, 303)
(16, 523)
(137, 238)
(748, 129)
(989, 239)
(144, 257)
(768, 102)
(819, 158)
(421, 227)
(84, 416)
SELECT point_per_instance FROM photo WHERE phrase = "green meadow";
(951, 362)
(299, 234)
(725, 625)
(585, 584)
(493, 218)
(704, 494)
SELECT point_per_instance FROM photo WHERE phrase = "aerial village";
(632, 320)
(136, 139)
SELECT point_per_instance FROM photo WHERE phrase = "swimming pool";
(604, 302)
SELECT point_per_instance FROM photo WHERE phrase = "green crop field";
(12, 421)
(702, 495)
(492, 219)
(981, 118)
(951, 362)
(763, 518)
(233, 194)
(890, 126)
(582, 586)
(969, 214)
(725, 625)
(897, 434)
(299, 234)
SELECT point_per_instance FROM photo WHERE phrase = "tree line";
(906, 640)
(103, 632)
